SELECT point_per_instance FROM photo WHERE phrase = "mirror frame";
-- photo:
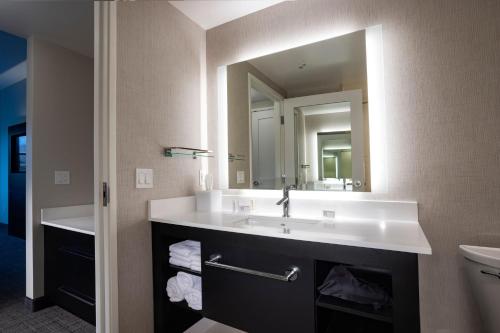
(377, 117)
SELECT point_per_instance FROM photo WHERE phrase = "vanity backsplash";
(318, 206)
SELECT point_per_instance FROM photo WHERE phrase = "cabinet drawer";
(75, 302)
(78, 271)
(76, 242)
(258, 303)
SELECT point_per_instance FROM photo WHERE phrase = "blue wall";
(12, 108)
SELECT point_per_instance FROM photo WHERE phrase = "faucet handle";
(283, 179)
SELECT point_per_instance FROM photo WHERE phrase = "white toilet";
(482, 265)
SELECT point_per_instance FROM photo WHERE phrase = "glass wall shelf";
(187, 152)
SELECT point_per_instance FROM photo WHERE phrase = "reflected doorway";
(17, 181)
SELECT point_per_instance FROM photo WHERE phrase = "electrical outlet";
(143, 178)
(201, 180)
(240, 177)
(61, 177)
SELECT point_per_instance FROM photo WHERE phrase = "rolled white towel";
(185, 248)
(178, 262)
(185, 281)
(174, 291)
(193, 299)
(196, 283)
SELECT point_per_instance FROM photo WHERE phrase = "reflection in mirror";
(302, 113)
(327, 127)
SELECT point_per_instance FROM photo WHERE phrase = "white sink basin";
(268, 223)
(489, 256)
(292, 226)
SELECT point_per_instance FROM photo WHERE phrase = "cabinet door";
(70, 271)
(257, 303)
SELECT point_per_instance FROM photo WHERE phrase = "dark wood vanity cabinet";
(259, 304)
(70, 271)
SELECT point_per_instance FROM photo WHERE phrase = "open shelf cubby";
(334, 314)
(336, 321)
(170, 269)
(185, 315)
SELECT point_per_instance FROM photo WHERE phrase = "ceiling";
(313, 110)
(325, 66)
(211, 13)
(13, 50)
(67, 23)
(13, 75)
(70, 23)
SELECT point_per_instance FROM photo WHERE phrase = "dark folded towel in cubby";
(341, 283)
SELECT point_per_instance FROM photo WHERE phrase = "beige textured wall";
(160, 52)
(442, 73)
(60, 130)
(239, 117)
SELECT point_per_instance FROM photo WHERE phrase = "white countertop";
(74, 218)
(400, 236)
(84, 225)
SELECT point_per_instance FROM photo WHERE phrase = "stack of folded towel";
(186, 254)
(185, 286)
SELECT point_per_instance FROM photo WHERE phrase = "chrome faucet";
(285, 201)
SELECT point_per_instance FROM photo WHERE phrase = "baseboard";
(37, 304)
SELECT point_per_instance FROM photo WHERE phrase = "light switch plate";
(61, 177)
(240, 177)
(143, 178)
(329, 214)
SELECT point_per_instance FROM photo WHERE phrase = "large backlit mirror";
(302, 113)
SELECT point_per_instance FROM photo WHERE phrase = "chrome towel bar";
(290, 275)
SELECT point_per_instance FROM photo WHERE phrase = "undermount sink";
(292, 226)
(280, 224)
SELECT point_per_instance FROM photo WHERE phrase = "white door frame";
(355, 97)
(105, 166)
(254, 82)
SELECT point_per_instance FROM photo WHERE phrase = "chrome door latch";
(105, 194)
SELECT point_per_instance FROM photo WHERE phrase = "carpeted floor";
(14, 317)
